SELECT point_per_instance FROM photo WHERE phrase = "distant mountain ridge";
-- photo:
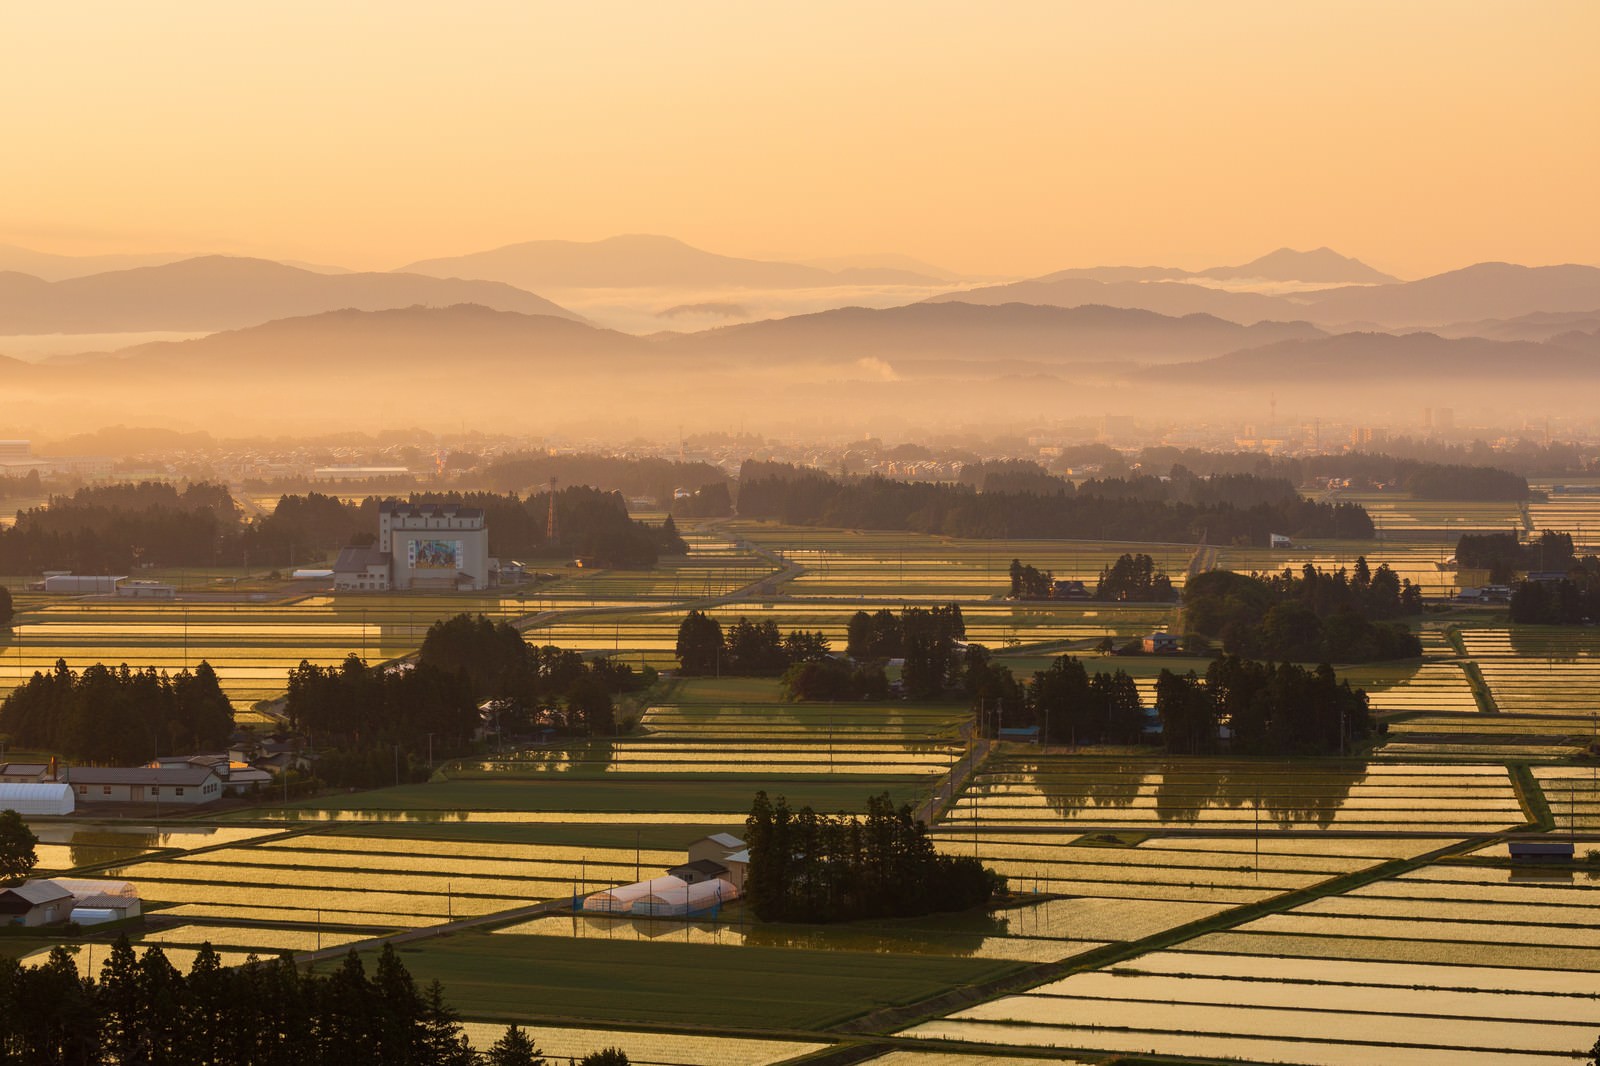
(635, 261)
(1318, 266)
(226, 292)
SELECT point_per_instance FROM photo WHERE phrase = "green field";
(630, 983)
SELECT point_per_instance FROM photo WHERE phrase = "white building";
(178, 785)
(437, 546)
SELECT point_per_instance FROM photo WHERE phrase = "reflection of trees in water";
(90, 846)
(588, 756)
(1565, 646)
(1069, 790)
(1314, 797)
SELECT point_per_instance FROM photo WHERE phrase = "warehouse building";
(420, 546)
(185, 785)
(35, 903)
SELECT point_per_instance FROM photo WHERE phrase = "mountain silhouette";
(645, 261)
(1161, 297)
(225, 292)
(952, 329)
(1361, 359)
(1318, 265)
(1481, 291)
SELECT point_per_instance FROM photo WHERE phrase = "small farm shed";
(692, 873)
(1541, 851)
(685, 900)
(1160, 644)
(35, 903)
(24, 772)
(96, 910)
(40, 797)
(620, 900)
(716, 847)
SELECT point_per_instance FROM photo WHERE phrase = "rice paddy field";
(1264, 911)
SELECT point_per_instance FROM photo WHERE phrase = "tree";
(514, 1049)
(699, 644)
(17, 843)
(8, 610)
(611, 1056)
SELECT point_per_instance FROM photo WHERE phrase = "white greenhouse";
(620, 900)
(684, 899)
(47, 798)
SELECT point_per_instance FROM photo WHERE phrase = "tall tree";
(18, 856)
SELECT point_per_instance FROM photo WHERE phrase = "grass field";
(509, 977)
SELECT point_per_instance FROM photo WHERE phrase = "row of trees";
(1132, 578)
(535, 686)
(1568, 602)
(1504, 555)
(1143, 509)
(744, 649)
(118, 528)
(806, 867)
(1268, 709)
(924, 638)
(1315, 616)
(116, 715)
(142, 1009)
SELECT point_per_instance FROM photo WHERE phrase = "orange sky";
(990, 137)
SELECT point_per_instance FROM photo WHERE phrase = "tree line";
(648, 476)
(923, 638)
(1131, 578)
(1141, 510)
(120, 528)
(1504, 555)
(810, 867)
(118, 715)
(1573, 600)
(1317, 616)
(744, 649)
(1268, 709)
(142, 1009)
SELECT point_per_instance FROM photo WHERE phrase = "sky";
(993, 138)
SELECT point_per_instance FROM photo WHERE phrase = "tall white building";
(437, 546)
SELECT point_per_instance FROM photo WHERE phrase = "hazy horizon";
(1010, 141)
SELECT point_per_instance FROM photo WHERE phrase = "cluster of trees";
(1318, 616)
(707, 501)
(142, 1009)
(535, 686)
(1134, 578)
(1571, 601)
(1031, 583)
(656, 478)
(1504, 554)
(1239, 510)
(830, 678)
(116, 715)
(923, 637)
(745, 649)
(118, 528)
(1071, 706)
(806, 867)
(1269, 709)
(1427, 469)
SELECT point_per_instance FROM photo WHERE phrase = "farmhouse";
(188, 785)
(18, 772)
(693, 873)
(1160, 644)
(35, 903)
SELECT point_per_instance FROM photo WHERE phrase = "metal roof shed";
(40, 798)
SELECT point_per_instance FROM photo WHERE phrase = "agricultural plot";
(252, 647)
(1486, 737)
(1044, 792)
(841, 755)
(68, 845)
(1420, 563)
(1399, 514)
(1539, 671)
(1574, 513)
(870, 564)
(1572, 793)
(650, 638)
(1314, 1011)
(1408, 687)
(648, 1049)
